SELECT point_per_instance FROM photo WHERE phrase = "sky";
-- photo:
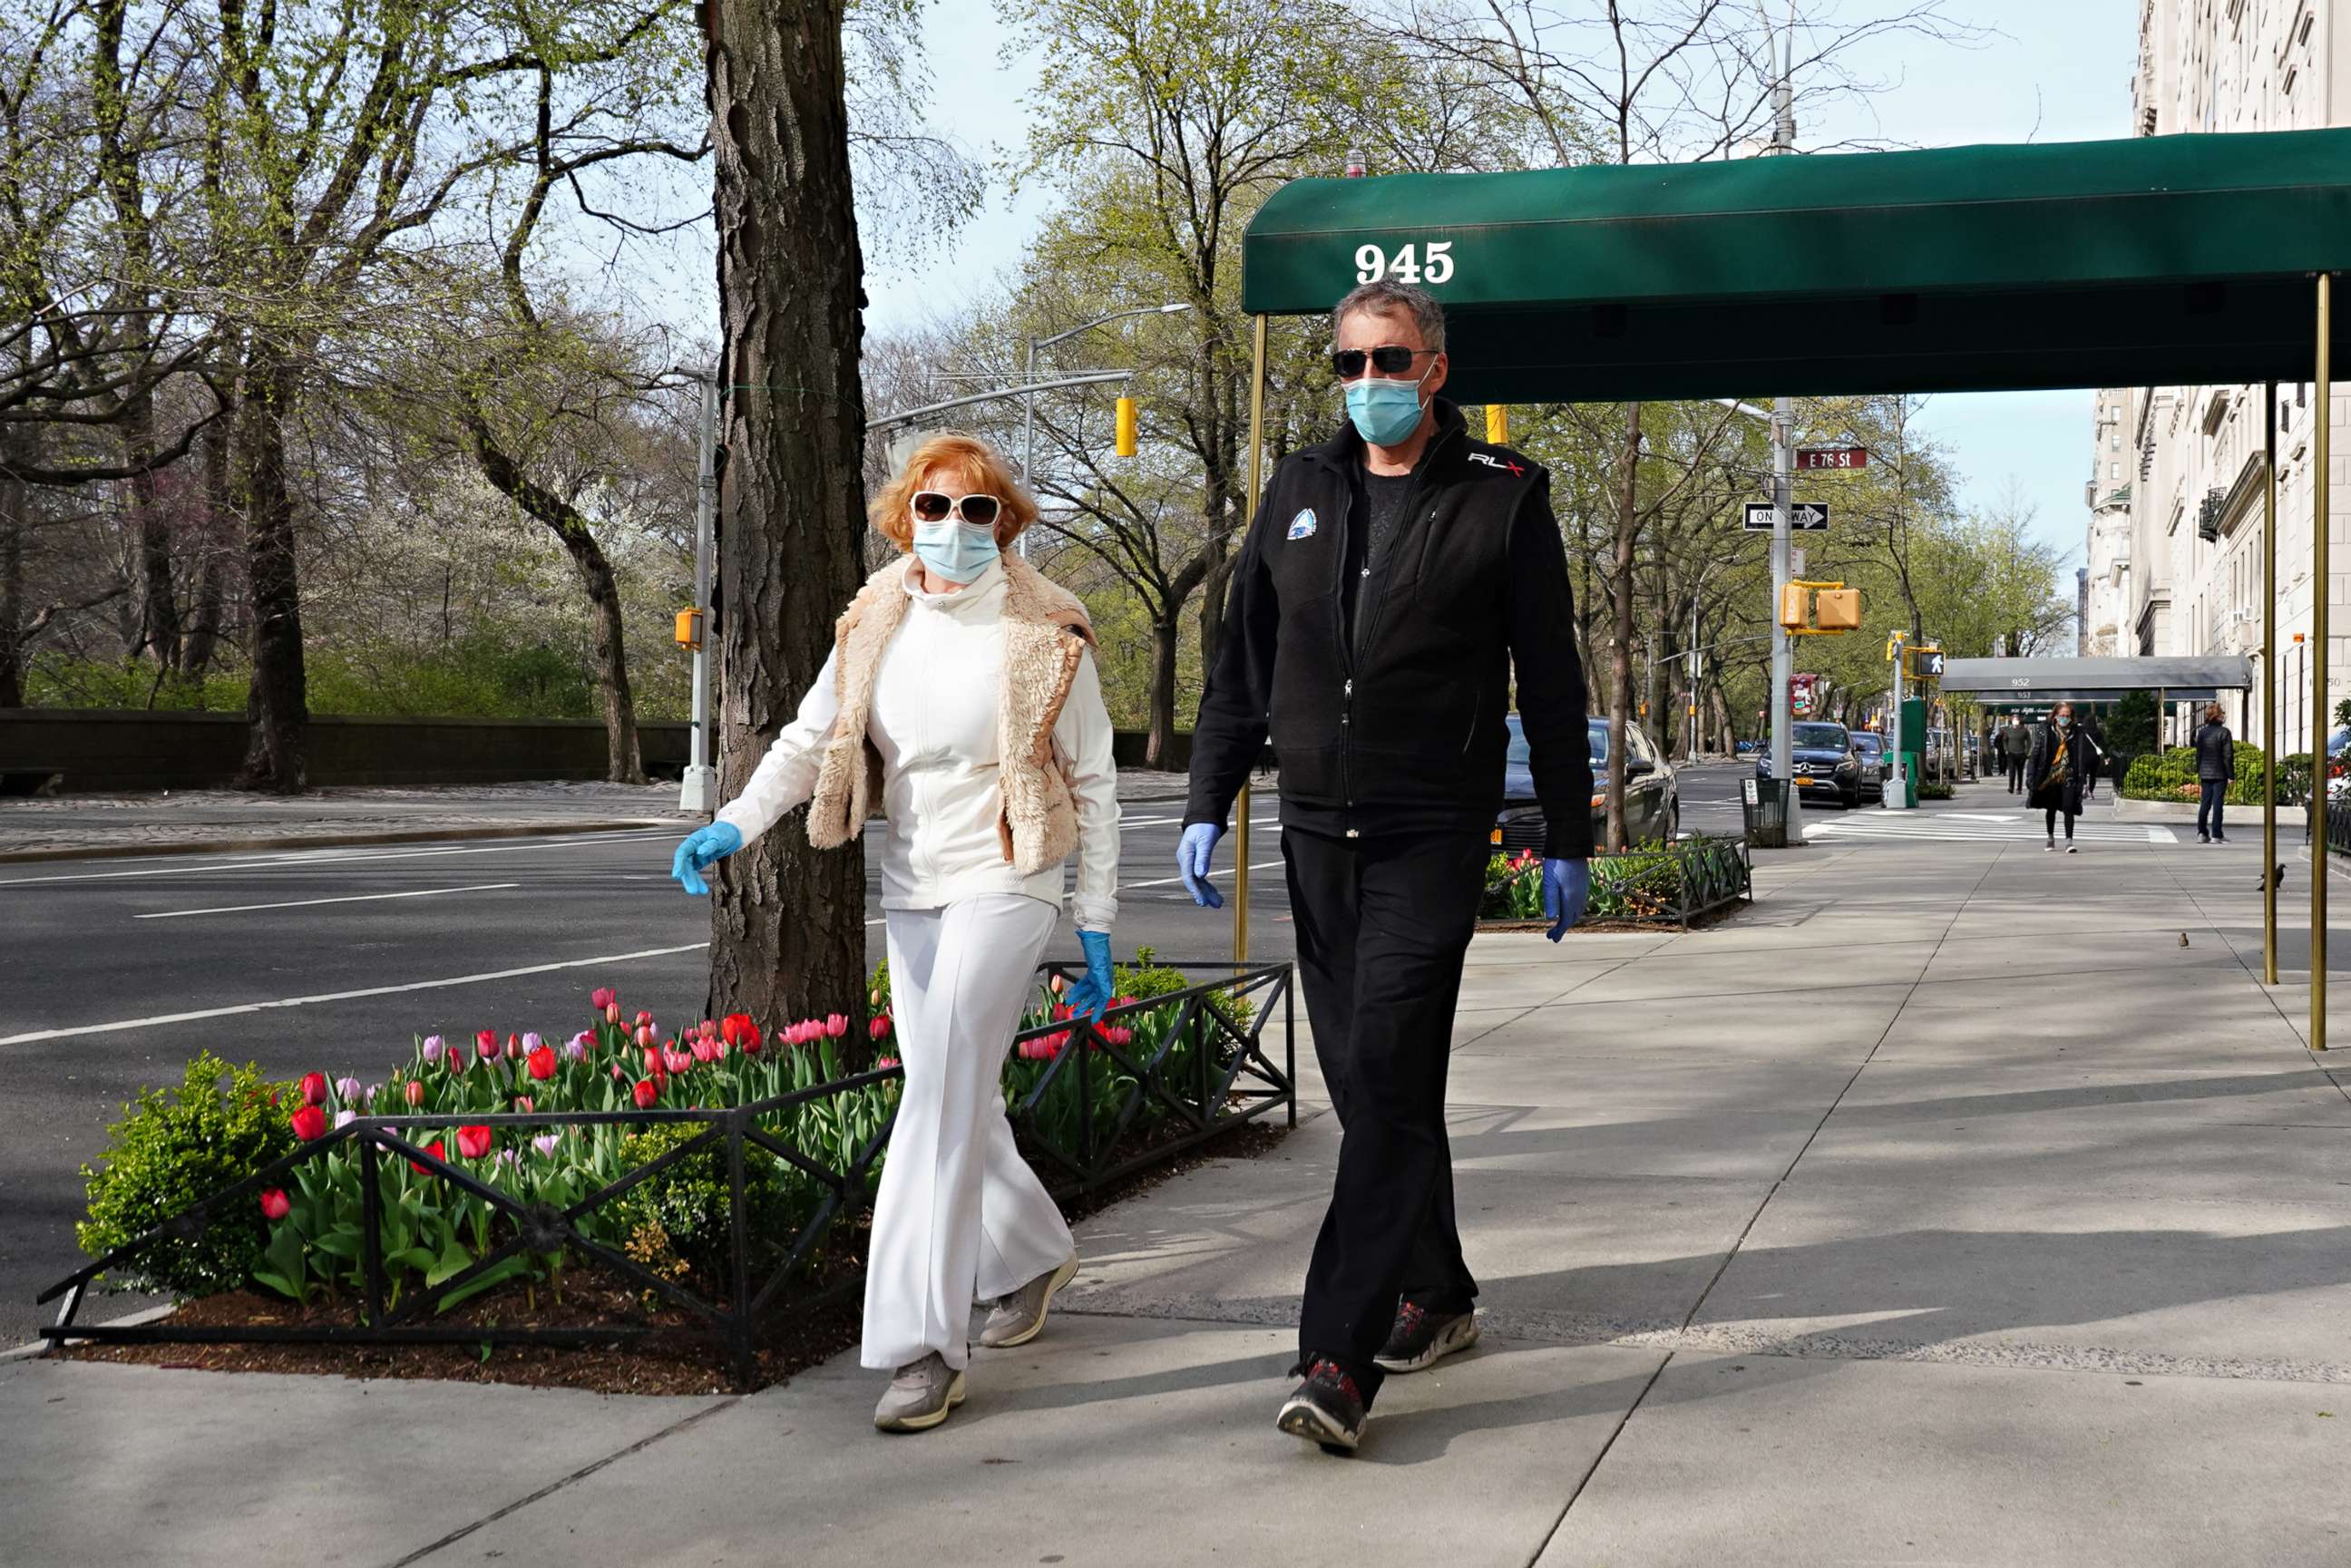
(2045, 71)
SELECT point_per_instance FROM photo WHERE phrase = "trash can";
(1914, 765)
(1764, 804)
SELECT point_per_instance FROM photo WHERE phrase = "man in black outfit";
(1391, 579)
(2016, 746)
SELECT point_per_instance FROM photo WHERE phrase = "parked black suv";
(1822, 761)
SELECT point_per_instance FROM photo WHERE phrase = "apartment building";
(2175, 525)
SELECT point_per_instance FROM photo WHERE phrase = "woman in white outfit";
(962, 691)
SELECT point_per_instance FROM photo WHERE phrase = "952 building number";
(1417, 263)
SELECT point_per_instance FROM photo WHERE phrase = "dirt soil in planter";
(593, 1297)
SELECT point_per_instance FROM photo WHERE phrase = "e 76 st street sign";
(1811, 457)
(1802, 514)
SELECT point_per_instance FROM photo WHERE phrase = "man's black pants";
(1382, 925)
(2015, 773)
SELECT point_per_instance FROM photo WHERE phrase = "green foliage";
(1647, 883)
(2171, 776)
(686, 1204)
(170, 1150)
(2131, 731)
(1935, 789)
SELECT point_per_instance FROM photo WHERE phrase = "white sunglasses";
(934, 506)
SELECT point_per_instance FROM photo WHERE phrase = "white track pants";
(960, 1215)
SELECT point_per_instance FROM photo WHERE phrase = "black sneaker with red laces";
(1326, 1410)
(1422, 1338)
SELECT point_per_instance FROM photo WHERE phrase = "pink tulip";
(416, 1093)
(644, 1034)
(276, 1204)
(643, 1017)
(701, 1051)
(718, 1049)
(674, 1060)
(836, 1024)
(611, 1012)
(885, 1063)
(602, 997)
(523, 1103)
(707, 1029)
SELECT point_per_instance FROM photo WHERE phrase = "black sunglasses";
(933, 506)
(1388, 359)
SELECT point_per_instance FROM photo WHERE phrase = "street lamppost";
(1029, 375)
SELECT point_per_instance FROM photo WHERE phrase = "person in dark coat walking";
(2216, 767)
(2062, 765)
(1395, 583)
(2015, 750)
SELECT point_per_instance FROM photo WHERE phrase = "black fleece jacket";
(1400, 728)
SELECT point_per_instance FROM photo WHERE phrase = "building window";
(2114, 471)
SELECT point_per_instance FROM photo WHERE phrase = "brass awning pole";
(2320, 869)
(2269, 688)
(1248, 515)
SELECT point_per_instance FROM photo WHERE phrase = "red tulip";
(487, 1038)
(276, 1204)
(643, 1017)
(314, 1089)
(646, 1092)
(653, 1068)
(435, 1150)
(309, 1122)
(880, 1027)
(602, 997)
(542, 1062)
(513, 1047)
(415, 1091)
(473, 1142)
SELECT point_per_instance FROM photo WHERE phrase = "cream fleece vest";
(1046, 633)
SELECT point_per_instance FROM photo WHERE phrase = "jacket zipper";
(1372, 627)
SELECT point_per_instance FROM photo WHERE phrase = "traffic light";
(1922, 662)
(1498, 424)
(1124, 443)
(689, 628)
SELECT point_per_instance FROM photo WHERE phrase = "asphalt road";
(118, 971)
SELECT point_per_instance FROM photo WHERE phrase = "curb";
(32, 1350)
(338, 840)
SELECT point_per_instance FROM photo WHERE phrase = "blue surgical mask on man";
(958, 551)
(1386, 411)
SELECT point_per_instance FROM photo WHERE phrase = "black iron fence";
(2338, 827)
(1143, 1084)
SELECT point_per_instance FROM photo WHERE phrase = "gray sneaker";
(1020, 1316)
(920, 1395)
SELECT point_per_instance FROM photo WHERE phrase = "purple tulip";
(368, 1094)
(347, 1090)
(432, 1048)
(576, 1048)
(345, 1118)
(545, 1142)
(531, 1042)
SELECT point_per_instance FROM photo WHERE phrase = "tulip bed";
(1669, 884)
(612, 1130)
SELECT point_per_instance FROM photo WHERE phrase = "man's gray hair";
(1384, 296)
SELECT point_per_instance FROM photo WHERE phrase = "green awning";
(2158, 260)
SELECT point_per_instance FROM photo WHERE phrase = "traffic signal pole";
(1783, 646)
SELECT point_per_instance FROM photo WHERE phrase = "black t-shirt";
(1378, 503)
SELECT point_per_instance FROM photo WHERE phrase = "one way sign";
(1802, 514)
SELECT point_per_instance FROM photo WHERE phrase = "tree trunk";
(788, 922)
(159, 607)
(277, 702)
(1619, 663)
(200, 631)
(15, 499)
(624, 762)
(1167, 642)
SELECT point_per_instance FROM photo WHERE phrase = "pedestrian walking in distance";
(1393, 580)
(961, 702)
(2216, 767)
(2016, 750)
(2063, 764)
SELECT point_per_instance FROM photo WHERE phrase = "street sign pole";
(1784, 647)
(698, 791)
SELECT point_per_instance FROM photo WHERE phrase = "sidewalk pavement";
(1943, 1208)
(224, 820)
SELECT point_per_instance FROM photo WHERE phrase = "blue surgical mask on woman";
(1386, 411)
(957, 550)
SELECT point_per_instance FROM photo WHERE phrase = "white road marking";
(2162, 836)
(1980, 817)
(75, 1031)
(301, 860)
(1157, 882)
(308, 903)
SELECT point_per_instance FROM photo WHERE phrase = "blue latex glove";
(701, 847)
(1093, 994)
(1567, 888)
(1192, 852)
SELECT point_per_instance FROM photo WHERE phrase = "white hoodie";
(936, 698)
